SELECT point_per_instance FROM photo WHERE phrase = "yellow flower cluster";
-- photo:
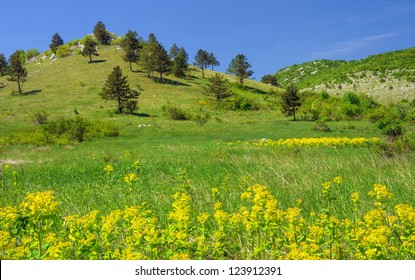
(108, 169)
(316, 142)
(259, 230)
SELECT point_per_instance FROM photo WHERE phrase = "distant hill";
(388, 76)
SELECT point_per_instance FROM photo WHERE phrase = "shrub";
(39, 117)
(64, 50)
(176, 113)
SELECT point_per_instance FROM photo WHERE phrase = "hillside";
(65, 85)
(387, 76)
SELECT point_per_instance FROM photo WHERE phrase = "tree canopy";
(101, 33)
(239, 66)
(90, 48)
(3, 64)
(132, 46)
(202, 60)
(117, 88)
(16, 70)
(290, 101)
(218, 87)
(56, 42)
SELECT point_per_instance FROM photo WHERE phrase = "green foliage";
(90, 48)
(117, 88)
(29, 54)
(3, 64)
(179, 61)
(398, 64)
(63, 51)
(270, 80)
(239, 67)
(131, 45)
(176, 113)
(17, 71)
(101, 34)
(217, 87)
(154, 58)
(57, 41)
(240, 103)
(202, 60)
(290, 101)
(39, 117)
(213, 61)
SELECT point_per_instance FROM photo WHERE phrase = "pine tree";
(239, 66)
(162, 60)
(213, 61)
(101, 33)
(180, 63)
(217, 87)
(56, 42)
(154, 57)
(117, 88)
(202, 60)
(132, 46)
(269, 79)
(3, 64)
(90, 48)
(174, 51)
(290, 101)
(16, 70)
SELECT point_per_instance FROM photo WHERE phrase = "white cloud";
(348, 47)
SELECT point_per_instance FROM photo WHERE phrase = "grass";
(180, 155)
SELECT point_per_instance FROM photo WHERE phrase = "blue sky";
(271, 34)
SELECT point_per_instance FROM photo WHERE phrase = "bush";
(39, 117)
(240, 103)
(176, 113)
(321, 126)
(64, 50)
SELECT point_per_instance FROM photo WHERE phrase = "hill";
(387, 76)
(64, 85)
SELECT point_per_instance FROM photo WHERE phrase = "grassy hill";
(71, 83)
(189, 188)
(388, 76)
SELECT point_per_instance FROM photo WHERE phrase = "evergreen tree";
(162, 60)
(56, 42)
(16, 70)
(290, 101)
(154, 58)
(90, 48)
(131, 45)
(174, 51)
(3, 64)
(202, 60)
(117, 88)
(213, 61)
(180, 63)
(239, 66)
(101, 33)
(217, 87)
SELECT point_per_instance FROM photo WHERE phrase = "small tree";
(3, 64)
(270, 80)
(213, 61)
(117, 88)
(101, 33)
(90, 48)
(202, 60)
(239, 66)
(180, 63)
(217, 87)
(16, 70)
(290, 101)
(131, 45)
(162, 61)
(56, 42)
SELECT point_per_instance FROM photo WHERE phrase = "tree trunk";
(90, 57)
(294, 114)
(18, 83)
(203, 72)
(161, 75)
(131, 67)
(119, 105)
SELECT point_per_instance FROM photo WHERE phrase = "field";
(193, 186)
